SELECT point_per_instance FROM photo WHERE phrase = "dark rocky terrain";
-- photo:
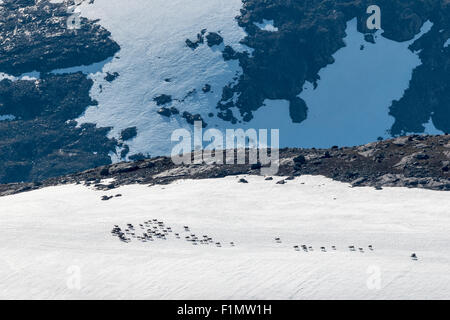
(34, 37)
(42, 140)
(414, 162)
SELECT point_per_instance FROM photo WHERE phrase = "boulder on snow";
(162, 99)
(213, 39)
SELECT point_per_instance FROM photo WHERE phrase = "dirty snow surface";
(56, 242)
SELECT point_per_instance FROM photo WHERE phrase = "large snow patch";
(52, 235)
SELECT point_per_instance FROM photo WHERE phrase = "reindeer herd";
(154, 230)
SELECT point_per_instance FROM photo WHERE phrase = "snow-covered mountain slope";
(349, 107)
(56, 242)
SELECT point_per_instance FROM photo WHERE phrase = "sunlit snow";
(267, 25)
(56, 242)
(26, 76)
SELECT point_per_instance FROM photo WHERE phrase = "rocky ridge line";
(413, 161)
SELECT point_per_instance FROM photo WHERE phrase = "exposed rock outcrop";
(34, 37)
(379, 168)
(41, 140)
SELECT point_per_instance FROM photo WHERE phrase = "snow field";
(56, 242)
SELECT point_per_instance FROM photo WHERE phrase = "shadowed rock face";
(428, 95)
(413, 162)
(310, 32)
(41, 140)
